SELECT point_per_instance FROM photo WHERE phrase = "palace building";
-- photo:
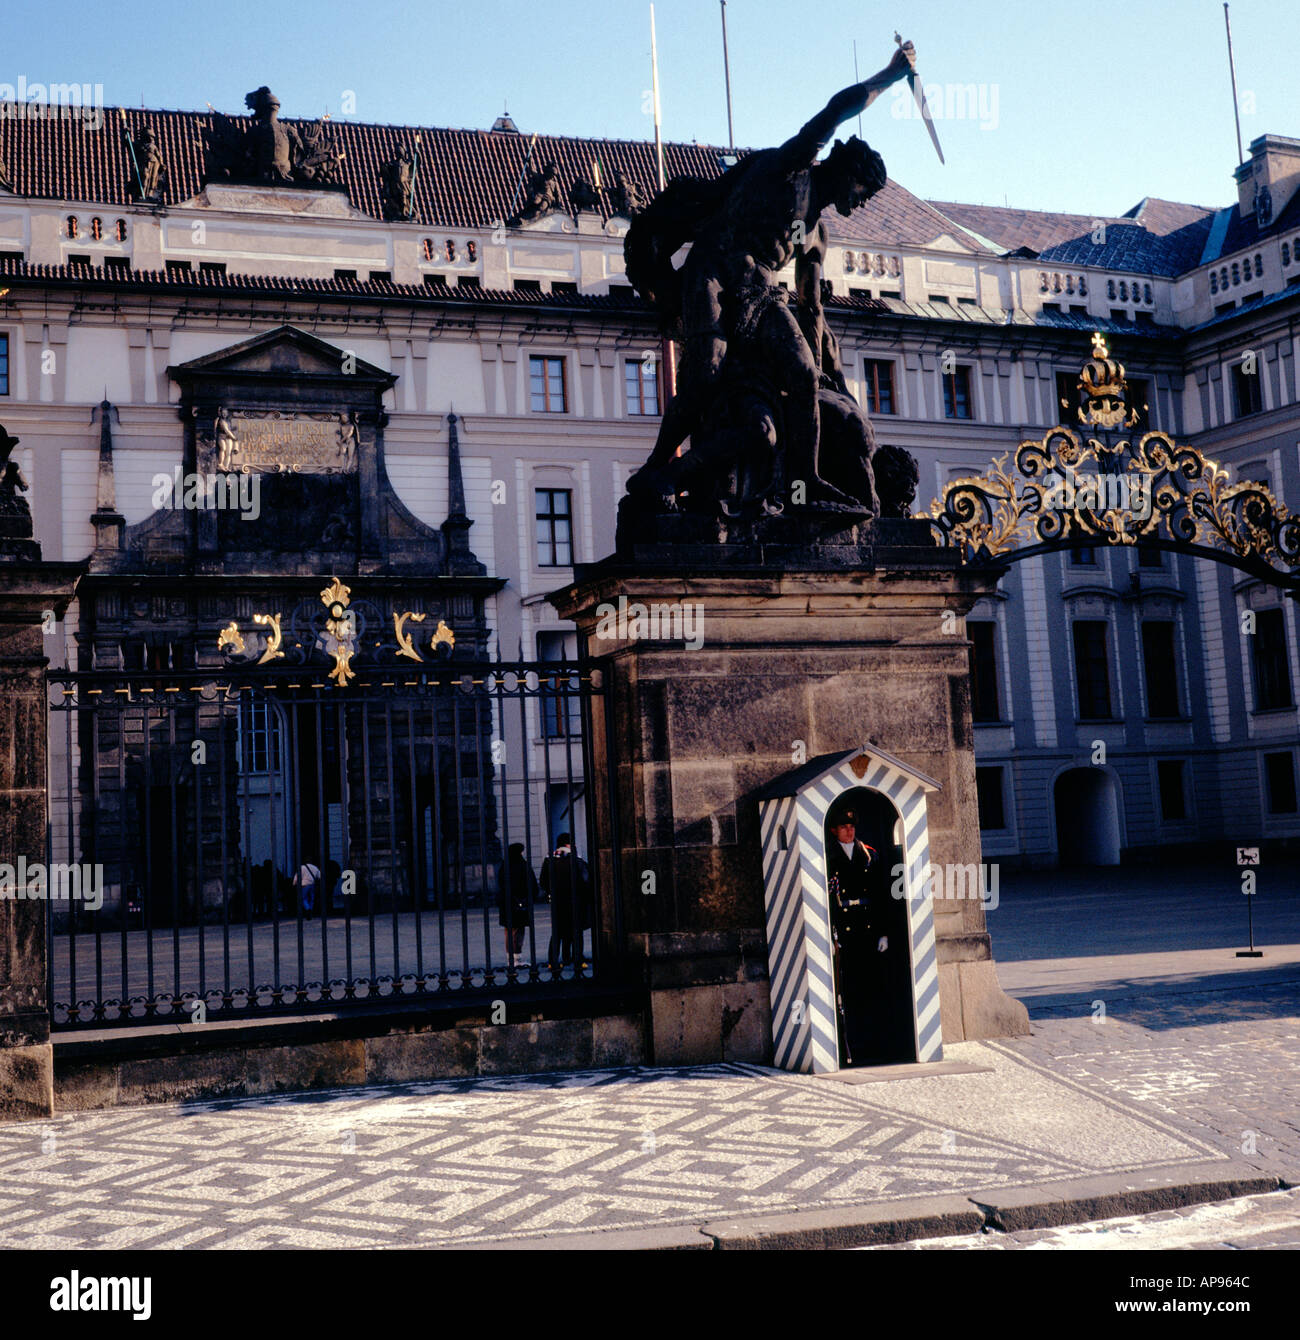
(246, 357)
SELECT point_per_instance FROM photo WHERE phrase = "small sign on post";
(1247, 860)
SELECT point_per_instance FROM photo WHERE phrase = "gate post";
(796, 653)
(32, 595)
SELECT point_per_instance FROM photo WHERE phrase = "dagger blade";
(919, 94)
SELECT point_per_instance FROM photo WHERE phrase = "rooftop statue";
(260, 149)
(761, 393)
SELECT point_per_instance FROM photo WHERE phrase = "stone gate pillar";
(798, 652)
(28, 590)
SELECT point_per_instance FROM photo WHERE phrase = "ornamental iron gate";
(244, 842)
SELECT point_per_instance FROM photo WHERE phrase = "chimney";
(1266, 184)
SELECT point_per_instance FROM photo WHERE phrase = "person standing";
(566, 881)
(307, 882)
(516, 894)
(859, 944)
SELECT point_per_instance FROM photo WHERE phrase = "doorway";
(1087, 818)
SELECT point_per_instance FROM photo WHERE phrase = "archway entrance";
(1087, 818)
(873, 979)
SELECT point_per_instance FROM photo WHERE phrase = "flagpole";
(1232, 69)
(726, 69)
(668, 357)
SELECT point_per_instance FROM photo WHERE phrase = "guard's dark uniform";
(866, 979)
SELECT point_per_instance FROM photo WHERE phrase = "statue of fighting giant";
(760, 388)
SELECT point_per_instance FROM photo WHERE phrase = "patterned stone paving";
(470, 1160)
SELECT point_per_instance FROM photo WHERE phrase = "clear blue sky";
(1096, 105)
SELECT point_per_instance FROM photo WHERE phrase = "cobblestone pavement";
(1251, 1223)
(459, 1161)
(1224, 1065)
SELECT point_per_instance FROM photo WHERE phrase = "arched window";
(1236, 274)
(1110, 289)
(1147, 295)
(73, 230)
(1083, 286)
(1123, 290)
(428, 248)
(1043, 284)
(472, 248)
(849, 262)
(1259, 266)
(120, 230)
(450, 249)
(1214, 281)
(96, 228)
(1286, 253)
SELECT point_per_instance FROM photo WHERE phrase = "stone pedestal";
(28, 589)
(802, 652)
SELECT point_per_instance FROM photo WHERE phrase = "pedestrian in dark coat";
(516, 894)
(566, 879)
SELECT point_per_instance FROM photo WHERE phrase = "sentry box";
(890, 798)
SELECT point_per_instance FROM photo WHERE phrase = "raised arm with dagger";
(918, 92)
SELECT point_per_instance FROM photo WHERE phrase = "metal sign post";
(1248, 857)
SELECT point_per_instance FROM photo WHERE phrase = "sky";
(1049, 104)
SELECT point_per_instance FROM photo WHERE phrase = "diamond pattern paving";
(459, 1161)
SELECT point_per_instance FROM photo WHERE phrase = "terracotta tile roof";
(465, 178)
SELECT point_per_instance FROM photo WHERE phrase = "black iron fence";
(235, 844)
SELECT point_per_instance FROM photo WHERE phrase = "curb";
(1006, 1210)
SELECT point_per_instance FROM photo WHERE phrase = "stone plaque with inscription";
(275, 442)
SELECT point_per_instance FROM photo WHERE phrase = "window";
(118, 264)
(97, 229)
(547, 384)
(879, 373)
(1224, 308)
(72, 227)
(470, 281)
(956, 394)
(435, 281)
(1120, 315)
(554, 528)
(560, 706)
(1160, 665)
(1151, 558)
(564, 286)
(1246, 394)
(212, 267)
(1139, 403)
(1272, 674)
(983, 670)
(259, 733)
(4, 364)
(988, 792)
(528, 285)
(345, 274)
(1067, 397)
(79, 260)
(1173, 795)
(119, 230)
(381, 276)
(1083, 558)
(1091, 669)
(179, 269)
(891, 293)
(641, 380)
(1279, 777)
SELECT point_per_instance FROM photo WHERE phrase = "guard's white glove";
(883, 945)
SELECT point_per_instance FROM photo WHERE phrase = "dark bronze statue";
(761, 393)
(544, 196)
(319, 161)
(399, 185)
(153, 170)
(583, 195)
(626, 199)
(260, 149)
(12, 483)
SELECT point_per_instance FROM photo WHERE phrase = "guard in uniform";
(859, 944)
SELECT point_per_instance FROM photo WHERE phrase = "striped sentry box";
(792, 821)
